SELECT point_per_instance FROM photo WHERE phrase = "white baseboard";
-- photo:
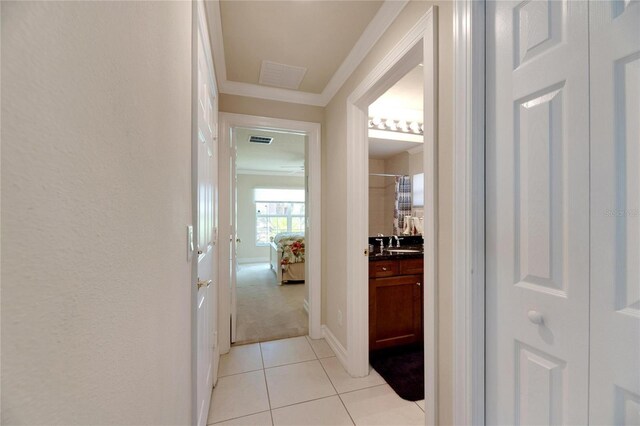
(305, 305)
(334, 343)
(243, 260)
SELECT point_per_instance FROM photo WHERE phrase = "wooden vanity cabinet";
(395, 302)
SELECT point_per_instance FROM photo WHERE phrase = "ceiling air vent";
(281, 75)
(261, 139)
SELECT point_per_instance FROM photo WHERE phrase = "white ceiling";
(381, 149)
(403, 101)
(316, 35)
(328, 38)
(284, 156)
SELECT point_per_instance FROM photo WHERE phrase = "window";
(278, 210)
(418, 190)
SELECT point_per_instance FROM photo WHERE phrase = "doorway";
(396, 225)
(419, 46)
(269, 214)
(232, 125)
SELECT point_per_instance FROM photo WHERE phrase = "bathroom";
(396, 245)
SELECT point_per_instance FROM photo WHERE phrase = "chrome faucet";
(397, 241)
(381, 243)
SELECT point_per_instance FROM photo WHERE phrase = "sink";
(401, 250)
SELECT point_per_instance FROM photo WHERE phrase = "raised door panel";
(537, 230)
(395, 311)
(615, 212)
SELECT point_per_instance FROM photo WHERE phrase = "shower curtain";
(403, 203)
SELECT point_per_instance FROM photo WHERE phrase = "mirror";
(396, 195)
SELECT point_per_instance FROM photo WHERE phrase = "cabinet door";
(395, 311)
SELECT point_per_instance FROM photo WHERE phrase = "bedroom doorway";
(271, 289)
(270, 206)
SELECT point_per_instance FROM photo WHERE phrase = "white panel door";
(207, 348)
(615, 213)
(537, 235)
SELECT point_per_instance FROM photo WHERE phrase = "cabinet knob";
(384, 268)
(419, 284)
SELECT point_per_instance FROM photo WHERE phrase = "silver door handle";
(535, 317)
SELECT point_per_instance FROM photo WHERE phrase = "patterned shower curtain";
(403, 203)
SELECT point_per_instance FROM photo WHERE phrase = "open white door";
(615, 213)
(537, 234)
(207, 353)
(233, 240)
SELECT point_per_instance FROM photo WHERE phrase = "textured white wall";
(96, 171)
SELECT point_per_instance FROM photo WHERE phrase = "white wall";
(96, 191)
(247, 250)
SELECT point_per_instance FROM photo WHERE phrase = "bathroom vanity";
(395, 293)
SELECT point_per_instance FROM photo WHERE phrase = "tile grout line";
(266, 385)
(242, 372)
(236, 418)
(367, 387)
(338, 394)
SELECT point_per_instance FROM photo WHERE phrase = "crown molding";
(387, 13)
(271, 93)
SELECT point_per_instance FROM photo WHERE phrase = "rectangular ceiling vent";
(281, 75)
(261, 139)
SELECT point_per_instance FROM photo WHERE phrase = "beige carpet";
(265, 310)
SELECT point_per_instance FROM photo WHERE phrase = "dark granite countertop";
(407, 242)
(376, 254)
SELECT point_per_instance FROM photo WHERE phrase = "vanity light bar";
(400, 126)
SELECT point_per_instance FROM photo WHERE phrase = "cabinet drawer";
(383, 268)
(411, 266)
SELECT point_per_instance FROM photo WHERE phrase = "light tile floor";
(298, 382)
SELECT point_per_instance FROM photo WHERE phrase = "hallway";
(299, 381)
(266, 310)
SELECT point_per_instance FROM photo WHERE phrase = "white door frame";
(420, 44)
(314, 207)
(199, 26)
(468, 217)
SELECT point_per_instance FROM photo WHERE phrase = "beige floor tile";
(291, 384)
(321, 412)
(240, 359)
(380, 405)
(286, 351)
(321, 348)
(421, 404)
(343, 382)
(260, 419)
(238, 395)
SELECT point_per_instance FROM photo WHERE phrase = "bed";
(287, 254)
